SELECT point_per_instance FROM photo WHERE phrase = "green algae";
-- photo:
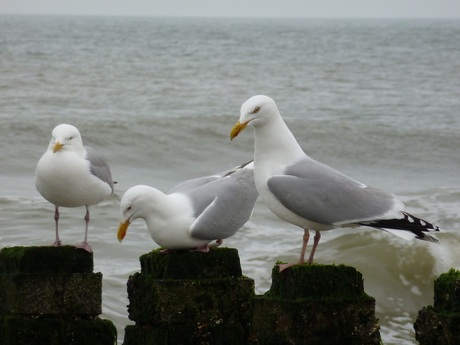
(153, 301)
(315, 304)
(282, 321)
(196, 298)
(56, 331)
(45, 260)
(49, 296)
(447, 291)
(318, 282)
(217, 263)
(52, 294)
(186, 334)
(440, 324)
(433, 327)
(189, 298)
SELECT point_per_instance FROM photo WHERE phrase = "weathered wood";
(189, 298)
(440, 324)
(45, 260)
(50, 295)
(315, 304)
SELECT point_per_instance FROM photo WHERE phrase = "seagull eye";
(256, 110)
(129, 208)
(70, 138)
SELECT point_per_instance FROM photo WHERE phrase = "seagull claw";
(282, 267)
(203, 249)
(85, 246)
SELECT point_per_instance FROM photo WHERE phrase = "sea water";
(378, 100)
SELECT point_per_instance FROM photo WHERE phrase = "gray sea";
(378, 100)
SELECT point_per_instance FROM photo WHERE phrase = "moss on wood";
(217, 263)
(440, 324)
(447, 291)
(49, 296)
(186, 334)
(305, 321)
(437, 328)
(45, 260)
(315, 304)
(53, 294)
(56, 331)
(317, 281)
(196, 298)
(154, 301)
(189, 298)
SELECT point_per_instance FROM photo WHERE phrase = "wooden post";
(50, 295)
(315, 304)
(189, 298)
(440, 324)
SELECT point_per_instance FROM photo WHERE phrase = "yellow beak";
(237, 129)
(122, 230)
(57, 146)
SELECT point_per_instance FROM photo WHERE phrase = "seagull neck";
(274, 139)
(157, 208)
(163, 205)
(166, 218)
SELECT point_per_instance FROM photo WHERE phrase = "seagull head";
(65, 136)
(134, 204)
(124, 224)
(255, 111)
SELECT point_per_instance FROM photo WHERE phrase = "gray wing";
(192, 184)
(321, 194)
(99, 166)
(200, 181)
(224, 205)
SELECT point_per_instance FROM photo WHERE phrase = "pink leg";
(166, 251)
(315, 244)
(84, 245)
(306, 237)
(203, 249)
(57, 242)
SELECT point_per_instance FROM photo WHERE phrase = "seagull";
(72, 175)
(195, 212)
(310, 194)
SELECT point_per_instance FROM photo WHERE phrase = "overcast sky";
(239, 8)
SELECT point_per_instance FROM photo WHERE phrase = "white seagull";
(195, 212)
(310, 194)
(72, 175)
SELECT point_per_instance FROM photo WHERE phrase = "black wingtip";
(408, 222)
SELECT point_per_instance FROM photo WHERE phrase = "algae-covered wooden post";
(440, 324)
(50, 295)
(315, 304)
(189, 298)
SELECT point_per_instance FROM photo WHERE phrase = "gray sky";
(239, 8)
